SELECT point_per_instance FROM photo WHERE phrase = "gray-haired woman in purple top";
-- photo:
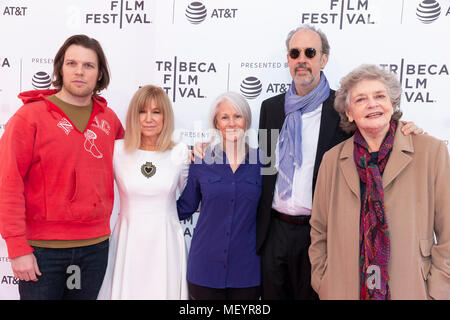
(222, 263)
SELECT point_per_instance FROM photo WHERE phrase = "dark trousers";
(197, 292)
(68, 274)
(286, 269)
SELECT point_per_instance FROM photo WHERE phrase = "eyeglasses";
(309, 53)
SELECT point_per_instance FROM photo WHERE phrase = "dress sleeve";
(185, 156)
(439, 279)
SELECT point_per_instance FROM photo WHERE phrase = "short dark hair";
(89, 43)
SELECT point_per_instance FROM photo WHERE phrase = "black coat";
(272, 117)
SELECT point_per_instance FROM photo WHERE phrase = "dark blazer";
(272, 117)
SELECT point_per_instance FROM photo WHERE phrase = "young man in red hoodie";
(56, 178)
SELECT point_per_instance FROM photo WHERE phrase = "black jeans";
(68, 274)
(285, 265)
(197, 292)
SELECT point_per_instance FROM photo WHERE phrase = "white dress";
(147, 254)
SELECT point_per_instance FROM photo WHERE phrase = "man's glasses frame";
(310, 53)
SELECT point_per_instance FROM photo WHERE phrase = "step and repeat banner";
(197, 50)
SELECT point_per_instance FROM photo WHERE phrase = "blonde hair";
(141, 99)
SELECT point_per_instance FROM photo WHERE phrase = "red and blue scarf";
(374, 233)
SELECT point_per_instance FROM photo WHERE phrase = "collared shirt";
(300, 203)
(223, 247)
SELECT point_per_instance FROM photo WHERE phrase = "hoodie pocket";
(93, 195)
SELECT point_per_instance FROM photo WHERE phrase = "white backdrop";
(199, 49)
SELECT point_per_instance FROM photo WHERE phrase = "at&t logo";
(9, 280)
(251, 87)
(41, 80)
(15, 11)
(196, 12)
(428, 11)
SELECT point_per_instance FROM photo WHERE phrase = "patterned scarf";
(374, 234)
(289, 150)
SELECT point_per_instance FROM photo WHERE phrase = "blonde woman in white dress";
(147, 258)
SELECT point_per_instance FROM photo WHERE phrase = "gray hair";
(238, 102)
(323, 37)
(366, 72)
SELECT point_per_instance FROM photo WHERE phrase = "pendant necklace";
(148, 169)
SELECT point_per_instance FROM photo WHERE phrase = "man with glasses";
(309, 127)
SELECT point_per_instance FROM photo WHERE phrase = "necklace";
(148, 169)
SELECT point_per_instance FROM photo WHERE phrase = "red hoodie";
(56, 183)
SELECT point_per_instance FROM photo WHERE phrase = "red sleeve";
(16, 149)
